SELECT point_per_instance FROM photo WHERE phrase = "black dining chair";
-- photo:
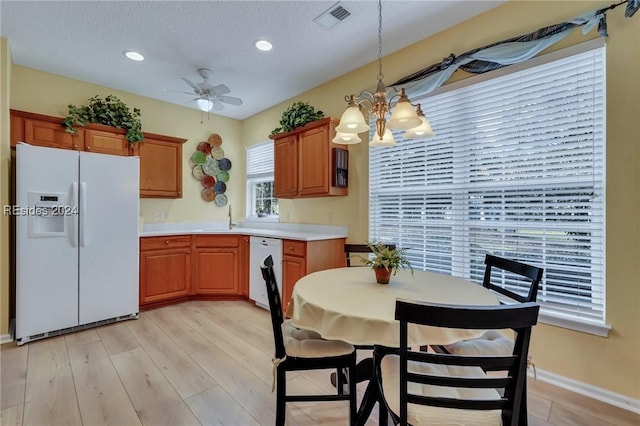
(361, 249)
(431, 388)
(493, 342)
(297, 349)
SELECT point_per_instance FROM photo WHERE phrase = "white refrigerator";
(76, 240)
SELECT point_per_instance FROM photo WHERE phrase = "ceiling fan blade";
(217, 106)
(229, 100)
(193, 86)
(221, 89)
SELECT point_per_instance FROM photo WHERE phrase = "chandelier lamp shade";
(385, 102)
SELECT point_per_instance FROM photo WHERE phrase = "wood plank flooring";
(198, 363)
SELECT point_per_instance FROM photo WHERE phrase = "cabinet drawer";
(294, 248)
(217, 241)
(155, 243)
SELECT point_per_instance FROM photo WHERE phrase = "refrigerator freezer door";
(109, 209)
(46, 262)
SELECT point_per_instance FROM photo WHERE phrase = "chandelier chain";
(380, 75)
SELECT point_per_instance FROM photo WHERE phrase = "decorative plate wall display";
(211, 169)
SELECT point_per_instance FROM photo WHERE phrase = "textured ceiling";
(85, 40)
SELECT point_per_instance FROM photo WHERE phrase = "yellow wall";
(611, 363)
(5, 83)
(45, 93)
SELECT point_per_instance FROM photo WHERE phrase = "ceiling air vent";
(332, 16)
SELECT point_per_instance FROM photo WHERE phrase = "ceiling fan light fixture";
(133, 55)
(204, 104)
(263, 45)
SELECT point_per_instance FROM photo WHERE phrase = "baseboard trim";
(586, 389)
(5, 338)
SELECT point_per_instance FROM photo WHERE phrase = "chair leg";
(340, 381)
(523, 418)
(353, 398)
(281, 392)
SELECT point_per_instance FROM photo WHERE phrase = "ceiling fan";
(210, 97)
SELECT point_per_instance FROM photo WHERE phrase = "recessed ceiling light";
(263, 45)
(133, 55)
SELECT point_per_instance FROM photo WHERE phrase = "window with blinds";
(516, 169)
(261, 201)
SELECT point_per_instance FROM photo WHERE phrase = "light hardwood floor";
(197, 363)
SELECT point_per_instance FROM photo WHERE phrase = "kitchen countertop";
(289, 231)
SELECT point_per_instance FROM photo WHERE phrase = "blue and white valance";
(507, 52)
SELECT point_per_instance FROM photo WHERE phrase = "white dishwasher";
(260, 249)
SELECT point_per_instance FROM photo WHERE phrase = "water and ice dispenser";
(47, 214)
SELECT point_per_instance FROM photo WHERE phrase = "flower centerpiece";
(385, 261)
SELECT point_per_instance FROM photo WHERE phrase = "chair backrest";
(532, 274)
(519, 317)
(359, 248)
(275, 305)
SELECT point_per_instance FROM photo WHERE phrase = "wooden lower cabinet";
(165, 269)
(217, 265)
(182, 267)
(300, 258)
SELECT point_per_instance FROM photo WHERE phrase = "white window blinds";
(516, 169)
(260, 160)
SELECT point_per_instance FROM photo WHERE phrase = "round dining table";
(347, 304)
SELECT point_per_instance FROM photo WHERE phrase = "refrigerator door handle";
(73, 232)
(83, 214)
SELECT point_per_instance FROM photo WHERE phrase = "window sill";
(574, 324)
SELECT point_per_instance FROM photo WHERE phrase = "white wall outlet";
(160, 216)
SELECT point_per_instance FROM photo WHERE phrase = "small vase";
(382, 275)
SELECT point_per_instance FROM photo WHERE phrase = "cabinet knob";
(75, 146)
(188, 251)
(88, 148)
(291, 248)
(167, 241)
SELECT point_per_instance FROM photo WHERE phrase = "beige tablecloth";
(347, 304)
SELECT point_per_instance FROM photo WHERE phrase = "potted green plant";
(297, 115)
(109, 111)
(385, 261)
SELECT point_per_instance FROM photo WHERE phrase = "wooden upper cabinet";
(313, 148)
(160, 156)
(304, 162)
(286, 166)
(106, 140)
(51, 134)
(160, 166)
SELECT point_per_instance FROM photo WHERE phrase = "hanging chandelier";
(403, 115)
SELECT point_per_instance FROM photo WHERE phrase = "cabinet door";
(286, 166)
(160, 168)
(105, 142)
(313, 164)
(17, 130)
(293, 268)
(217, 271)
(164, 274)
(51, 134)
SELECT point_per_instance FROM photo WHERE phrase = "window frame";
(264, 173)
(550, 317)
